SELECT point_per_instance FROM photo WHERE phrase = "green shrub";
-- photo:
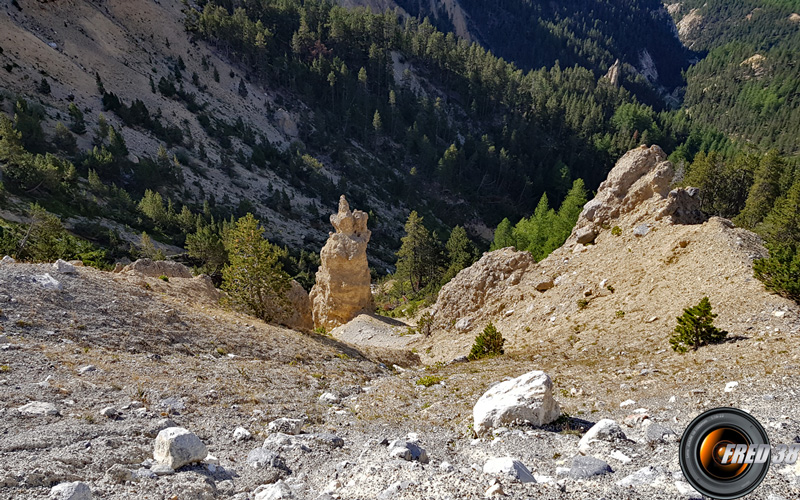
(429, 380)
(780, 272)
(582, 303)
(163, 277)
(616, 231)
(487, 343)
(696, 328)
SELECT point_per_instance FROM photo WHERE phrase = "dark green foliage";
(43, 87)
(765, 190)
(419, 260)
(488, 343)
(780, 273)
(64, 140)
(205, 245)
(752, 98)
(77, 123)
(461, 253)
(242, 88)
(696, 328)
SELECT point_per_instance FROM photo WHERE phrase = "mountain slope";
(281, 107)
(590, 33)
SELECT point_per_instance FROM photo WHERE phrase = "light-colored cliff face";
(342, 288)
(639, 254)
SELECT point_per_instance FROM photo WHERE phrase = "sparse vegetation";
(429, 380)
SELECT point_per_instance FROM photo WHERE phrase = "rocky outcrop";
(158, 268)
(468, 291)
(342, 289)
(527, 399)
(298, 314)
(614, 74)
(638, 182)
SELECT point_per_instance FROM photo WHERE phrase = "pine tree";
(487, 343)
(460, 253)
(503, 235)
(242, 88)
(43, 87)
(377, 123)
(696, 328)
(254, 278)
(77, 123)
(419, 257)
(764, 191)
(64, 140)
(206, 245)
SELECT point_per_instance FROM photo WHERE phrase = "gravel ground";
(164, 351)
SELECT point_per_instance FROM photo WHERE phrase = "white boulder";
(176, 447)
(71, 491)
(64, 267)
(38, 408)
(48, 282)
(604, 430)
(525, 399)
(275, 491)
(290, 426)
(507, 466)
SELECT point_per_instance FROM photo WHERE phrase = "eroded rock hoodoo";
(342, 288)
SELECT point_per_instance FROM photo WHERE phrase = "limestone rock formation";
(342, 289)
(638, 182)
(466, 293)
(298, 314)
(614, 73)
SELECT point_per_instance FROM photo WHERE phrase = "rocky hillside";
(638, 255)
(137, 384)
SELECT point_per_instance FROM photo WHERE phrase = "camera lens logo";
(725, 453)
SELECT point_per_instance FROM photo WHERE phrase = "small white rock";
(241, 434)
(329, 398)
(730, 386)
(507, 466)
(628, 402)
(108, 412)
(275, 491)
(618, 455)
(47, 282)
(64, 267)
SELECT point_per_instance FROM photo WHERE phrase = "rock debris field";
(128, 386)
